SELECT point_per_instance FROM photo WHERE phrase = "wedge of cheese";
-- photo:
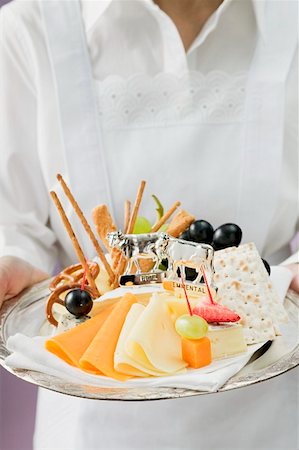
(99, 356)
(71, 345)
(226, 340)
(153, 342)
(178, 306)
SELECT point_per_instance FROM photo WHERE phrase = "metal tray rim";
(39, 291)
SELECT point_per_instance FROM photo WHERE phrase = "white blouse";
(154, 101)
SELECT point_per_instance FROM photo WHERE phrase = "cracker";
(180, 222)
(104, 223)
(245, 287)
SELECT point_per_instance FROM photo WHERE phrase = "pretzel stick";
(136, 207)
(120, 269)
(116, 258)
(123, 261)
(86, 225)
(165, 217)
(127, 215)
(74, 240)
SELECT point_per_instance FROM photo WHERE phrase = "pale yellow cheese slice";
(226, 340)
(153, 341)
(122, 361)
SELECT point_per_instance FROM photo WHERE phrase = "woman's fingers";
(16, 275)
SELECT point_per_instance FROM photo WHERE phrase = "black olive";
(267, 266)
(186, 235)
(201, 231)
(227, 235)
(78, 302)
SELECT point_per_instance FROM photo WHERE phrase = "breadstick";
(74, 240)
(127, 215)
(165, 217)
(86, 225)
(116, 254)
(136, 207)
(123, 261)
(120, 269)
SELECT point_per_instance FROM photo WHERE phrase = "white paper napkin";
(30, 353)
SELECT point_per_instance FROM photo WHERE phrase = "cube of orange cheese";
(197, 352)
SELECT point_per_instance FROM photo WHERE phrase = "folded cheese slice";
(153, 342)
(100, 353)
(71, 345)
(122, 362)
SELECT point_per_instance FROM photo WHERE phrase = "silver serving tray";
(24, 314)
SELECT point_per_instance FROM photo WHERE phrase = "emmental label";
(192, 289)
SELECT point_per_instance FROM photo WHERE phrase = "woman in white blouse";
(199, 98)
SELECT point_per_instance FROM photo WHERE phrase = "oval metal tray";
(23, 314)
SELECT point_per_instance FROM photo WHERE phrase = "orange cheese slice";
(71, 345)
(100, 353)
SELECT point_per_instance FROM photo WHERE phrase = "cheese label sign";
(194, 290)
(142, 278)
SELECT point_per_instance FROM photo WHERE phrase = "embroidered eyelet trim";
(166, 99)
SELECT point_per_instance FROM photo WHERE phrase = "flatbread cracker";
(245, 287)
(180, 222)
(104, 224)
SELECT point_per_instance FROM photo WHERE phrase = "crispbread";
(104, 224)
(245, 287)
(179, 223)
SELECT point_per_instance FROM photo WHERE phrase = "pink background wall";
(17, 412)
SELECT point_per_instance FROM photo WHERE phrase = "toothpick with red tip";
(185, 291)
(84, 278)
(207, 285)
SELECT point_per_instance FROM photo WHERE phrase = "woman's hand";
(15, 275)
(294, 268)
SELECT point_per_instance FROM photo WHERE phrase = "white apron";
(116, 150)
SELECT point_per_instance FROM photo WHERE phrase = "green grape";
(142, 225)
(191, 327)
